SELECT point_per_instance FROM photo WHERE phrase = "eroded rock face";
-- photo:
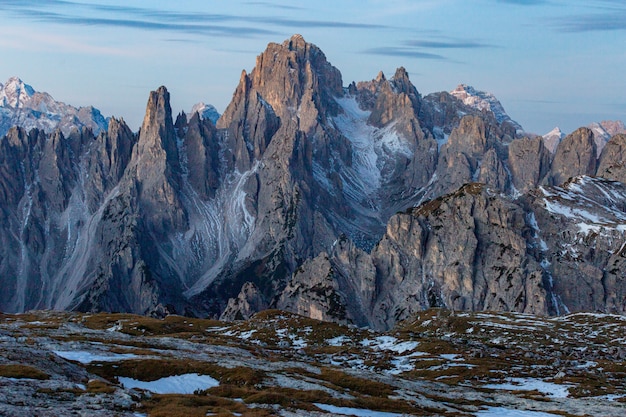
(248, 302)
(312, 292)
(474, 152)
(575, 155)
(612, 162)
(464, 251)
(529, 162)
(552, 251)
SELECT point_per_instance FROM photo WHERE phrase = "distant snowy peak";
(482, 100)
(206, 111)
(604, 130)
(552, 139)
(21, 105)
(15, 93)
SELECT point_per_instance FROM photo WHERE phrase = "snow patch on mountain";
(482, 100)
(21, 105)
(596, 204)
(206, 111)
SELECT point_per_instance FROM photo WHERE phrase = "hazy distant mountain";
(206, 111)
(603, 131)
(358, 204)
(484, 101)
(553, 138)
(21, 105)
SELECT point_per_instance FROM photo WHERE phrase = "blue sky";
(550, 62)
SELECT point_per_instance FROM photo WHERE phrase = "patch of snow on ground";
(297, 342)
(390, 343)
(451, 356)
(337, 341)
(506, 412)
(530, 384)
(404, 363)
(85, 357)
(358, 412)
(177, 384)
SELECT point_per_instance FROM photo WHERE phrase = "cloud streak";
(595, 22)
(453, 44)
(422, 48)
(403, 52)
(524, 2)
(208, 24)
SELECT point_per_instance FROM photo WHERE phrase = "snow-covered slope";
(482, 100)
(21, 105)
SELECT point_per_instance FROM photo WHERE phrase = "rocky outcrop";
(464, 251)
(473, 144)
(612, 162)
(529, 162)
(313, 292)
(580, 231)
(248, 303)
(551, 251)
(575, 155)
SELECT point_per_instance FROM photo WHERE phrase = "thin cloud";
(41, 42)
(159, 20)
(524, 2)
(453, 44)
(403, 52)
(614, 21)
(274, 5)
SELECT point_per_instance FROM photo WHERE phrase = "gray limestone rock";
(575, 155)
(529, 162)
(248, 302)
(612, 162)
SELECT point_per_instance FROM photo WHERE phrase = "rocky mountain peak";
(296, 42)
(287, 72)
(401, 81)
(15, 92)
(603, 131)
(156, 152)
(21, 105)
(552, 139)
(575, 155)
(157, 123)
(484, 101)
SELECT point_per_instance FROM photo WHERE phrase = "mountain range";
(360, 204)
(21, 105)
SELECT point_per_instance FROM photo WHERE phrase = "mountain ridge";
(22, 105)
(291, 200)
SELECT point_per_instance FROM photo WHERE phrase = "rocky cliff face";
(551, 251)
(361, 205)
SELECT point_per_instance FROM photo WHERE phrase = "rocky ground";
(439, 364)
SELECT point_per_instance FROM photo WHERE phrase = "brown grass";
(22, 371)
(96, 386)
(134, 325)
(153, 369)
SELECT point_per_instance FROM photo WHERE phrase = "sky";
(550, 62)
